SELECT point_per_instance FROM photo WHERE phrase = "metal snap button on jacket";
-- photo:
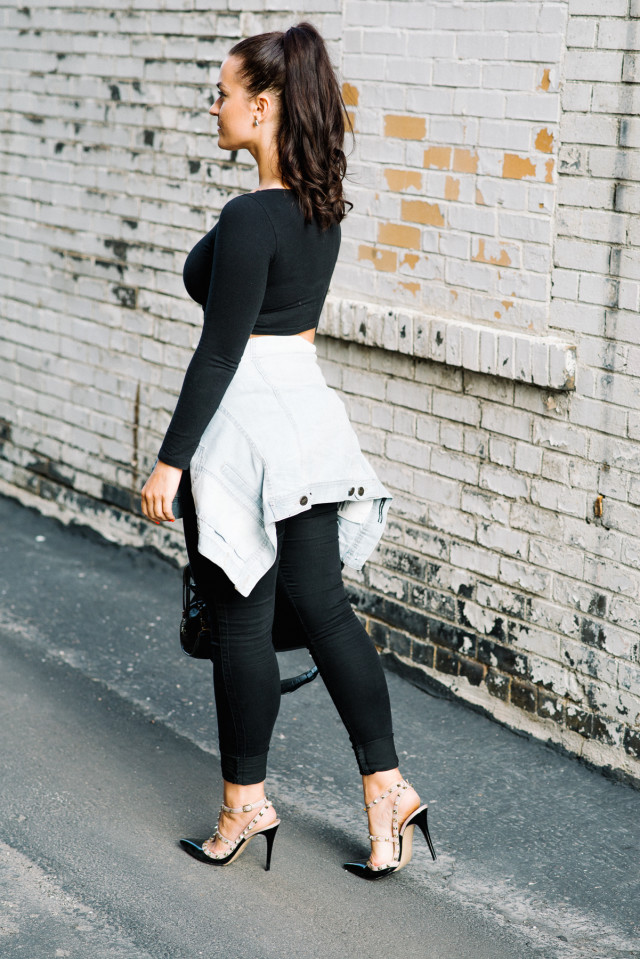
(304, 500)
(352, 491)
(361, 491)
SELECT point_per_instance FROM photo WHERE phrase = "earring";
(255, 121)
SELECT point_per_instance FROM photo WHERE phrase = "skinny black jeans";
(246, 679)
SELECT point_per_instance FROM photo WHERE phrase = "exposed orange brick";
(412, 287)
(549, 174)
(544, 141)
(410, 259)
(481, 257)
(545, 82)
(439, 157)
(384, 260)
(402, 179)
(451, 188)
(406, 128)
(480, 200)
(350, 95)
(416, 211)
(454, 294)
(349, 122)
(507, 304)
(464, 161)
(497, 314)
(515, 167)
(395, 234)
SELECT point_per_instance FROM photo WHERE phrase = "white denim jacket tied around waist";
(279, 442)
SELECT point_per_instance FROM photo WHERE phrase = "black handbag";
(195, 629)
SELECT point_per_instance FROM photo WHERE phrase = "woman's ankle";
(375, 784)
(236, 795)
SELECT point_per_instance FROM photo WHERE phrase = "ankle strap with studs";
(394, 838)
(248, 807)
(232, 843)
(403, 784)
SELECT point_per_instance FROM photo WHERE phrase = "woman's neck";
(269, 177)
(272, 185)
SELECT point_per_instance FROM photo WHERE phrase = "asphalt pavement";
(108, 756)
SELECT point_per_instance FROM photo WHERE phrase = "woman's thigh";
(241, 619)
(310, 570)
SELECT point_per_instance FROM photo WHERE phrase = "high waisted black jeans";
(245, 670)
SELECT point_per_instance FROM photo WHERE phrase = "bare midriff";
(308, 334)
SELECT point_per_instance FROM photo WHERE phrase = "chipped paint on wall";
(545, 82)
(544, 141)
(438, 157)
(399, 180)
(451, 188)
(501, 259)
(515, 167)
(410, 259)
(396, 234)
(418, 211)
(383, 260)
(405, 127)
(350, 95)
(465, 161)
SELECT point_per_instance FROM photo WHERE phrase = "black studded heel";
(197, 850)
(402, 838)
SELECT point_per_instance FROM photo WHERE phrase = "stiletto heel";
(269, 835)
(420, 819)
(197, 850)
(401, 838)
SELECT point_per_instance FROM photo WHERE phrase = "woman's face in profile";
(234, 110)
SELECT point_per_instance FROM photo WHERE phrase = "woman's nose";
(213, 109)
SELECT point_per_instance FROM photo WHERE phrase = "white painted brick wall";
(482, 326)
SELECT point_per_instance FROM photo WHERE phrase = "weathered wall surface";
(482, 325)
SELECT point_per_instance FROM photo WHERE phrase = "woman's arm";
(245, 243)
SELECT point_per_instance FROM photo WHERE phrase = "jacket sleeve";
(244, 247)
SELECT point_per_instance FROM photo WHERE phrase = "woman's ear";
(265, 104)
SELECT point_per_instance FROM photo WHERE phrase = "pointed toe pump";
(401, 838)
(238, 845)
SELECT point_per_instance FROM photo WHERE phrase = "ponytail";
(295, 65)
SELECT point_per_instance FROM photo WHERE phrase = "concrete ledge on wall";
(545, 361)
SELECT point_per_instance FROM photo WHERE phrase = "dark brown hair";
(295, 66)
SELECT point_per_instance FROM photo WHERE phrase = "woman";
(281, 489)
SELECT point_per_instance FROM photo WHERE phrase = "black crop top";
(261, 269)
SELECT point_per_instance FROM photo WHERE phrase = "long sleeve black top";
(261, 269)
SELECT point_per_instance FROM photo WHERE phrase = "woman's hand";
(159, 491)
